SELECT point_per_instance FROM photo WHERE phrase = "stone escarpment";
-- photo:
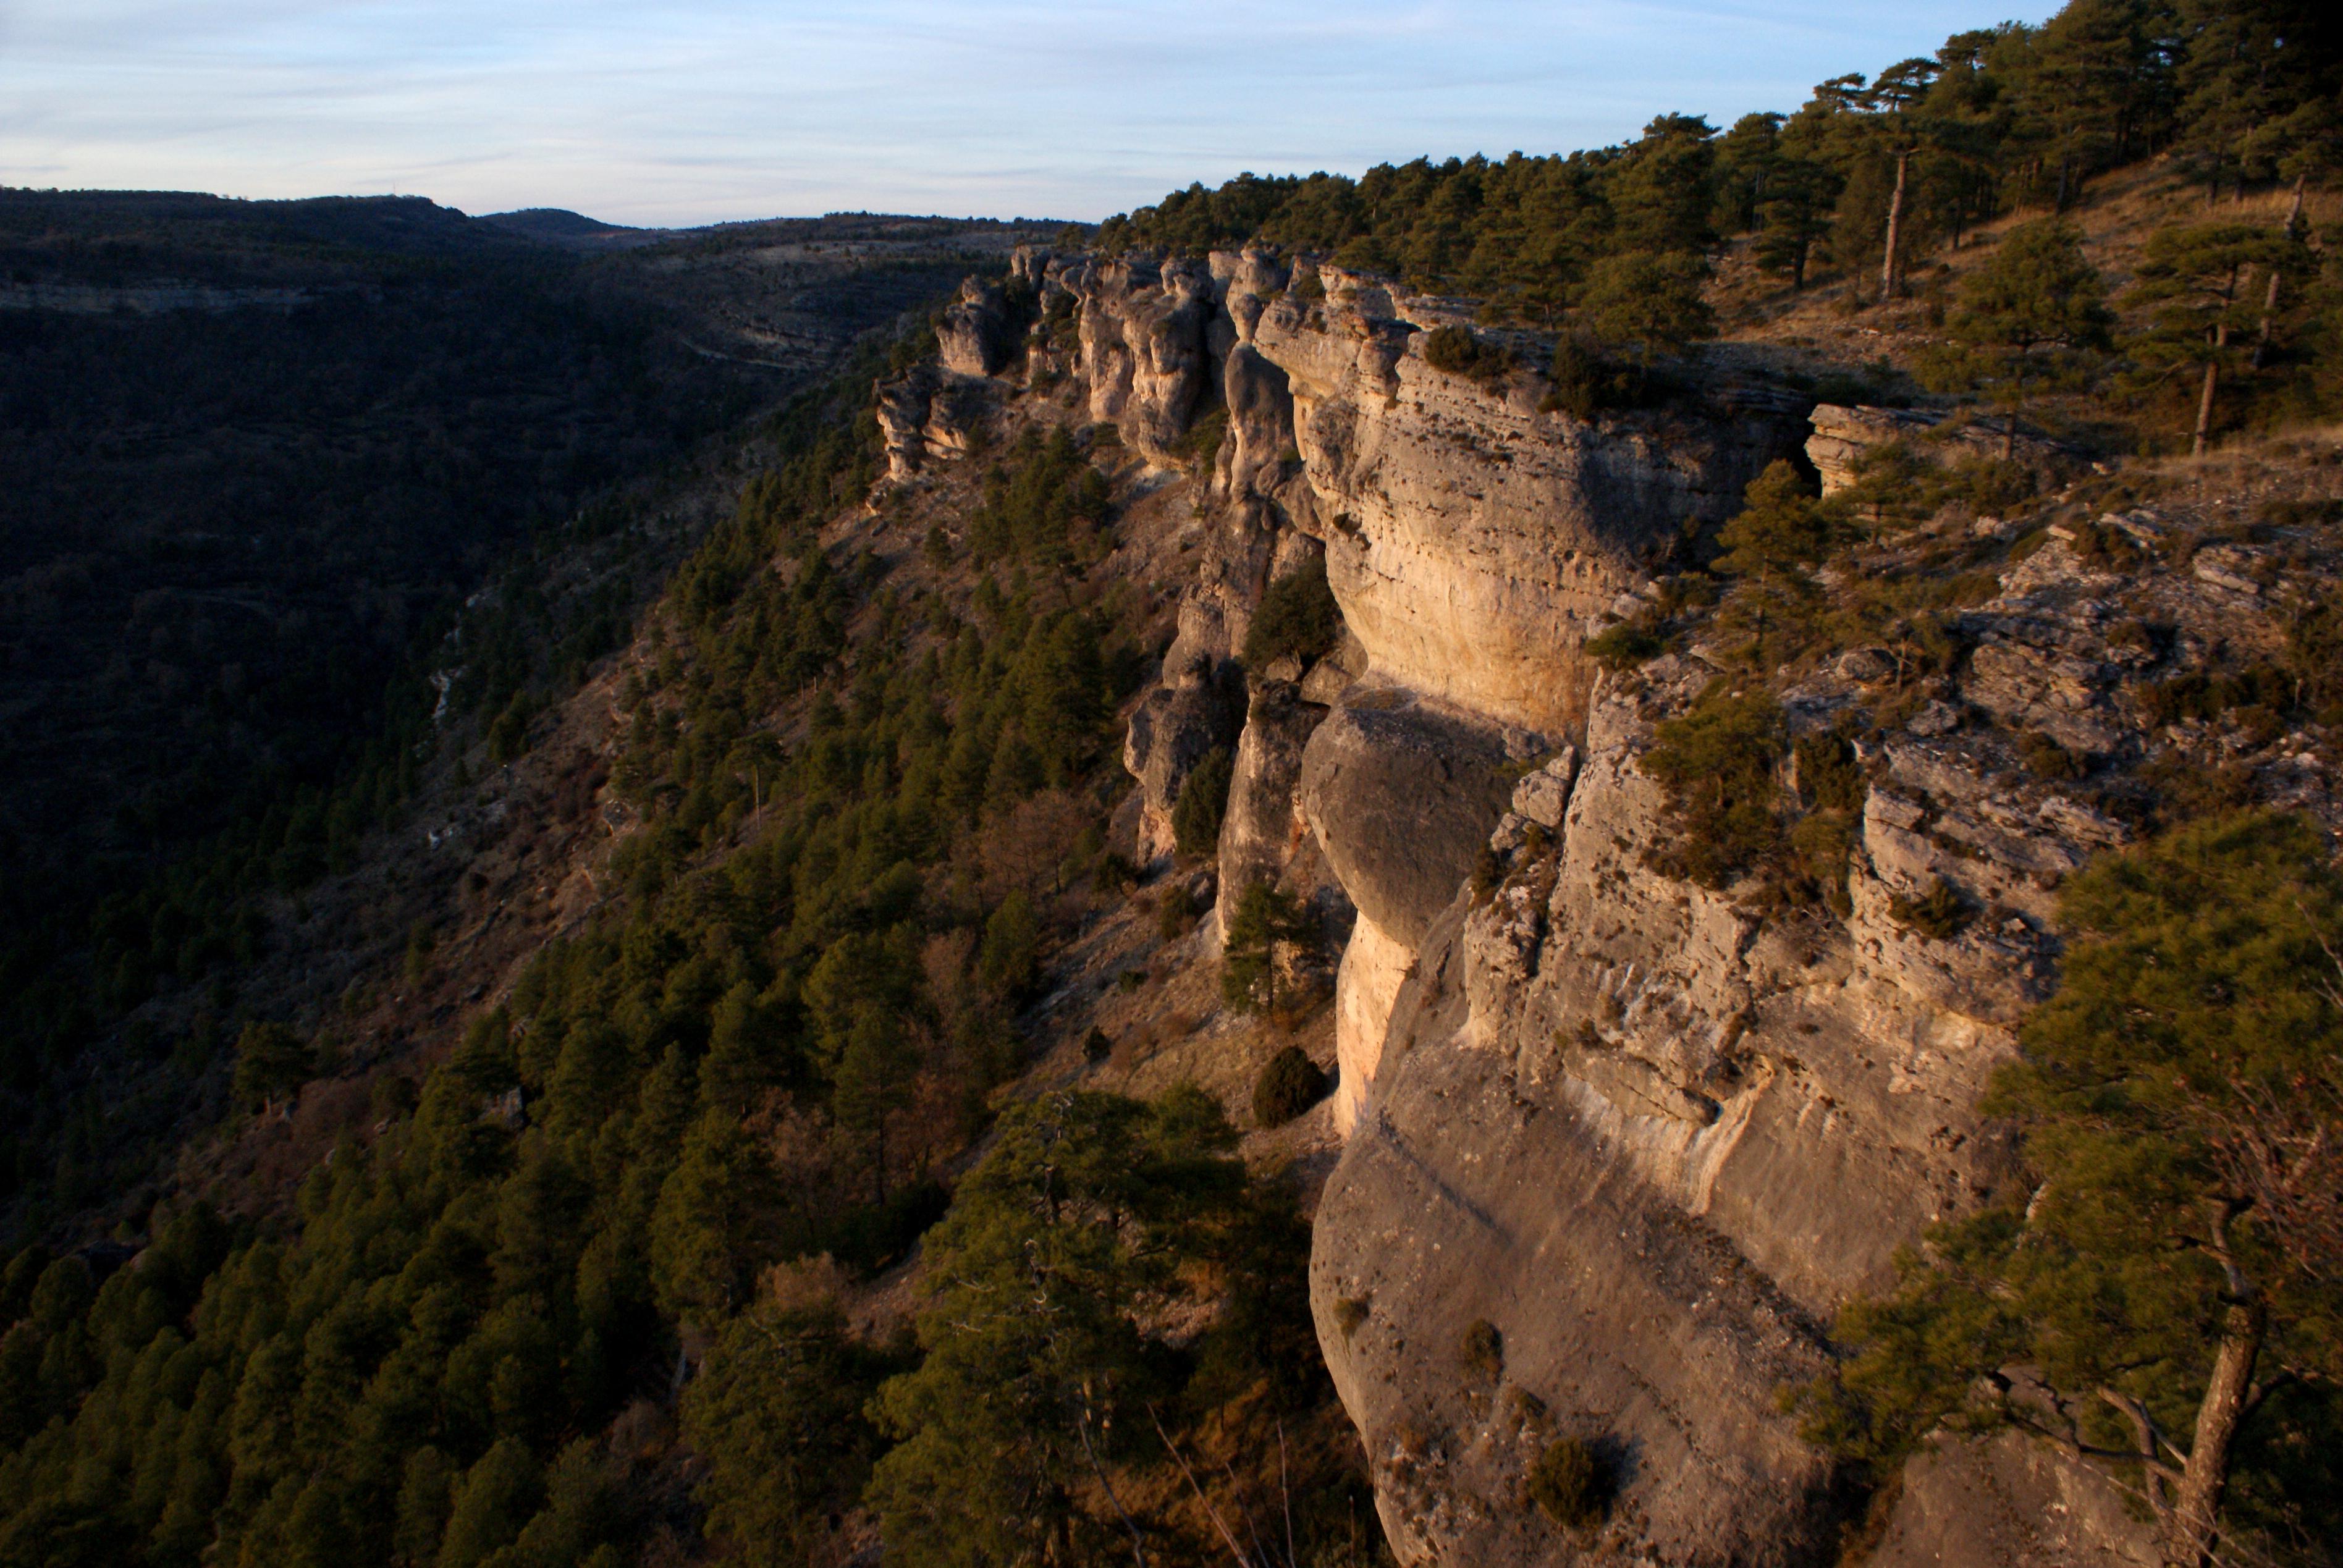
(1655, 1140)
(1649, 1137)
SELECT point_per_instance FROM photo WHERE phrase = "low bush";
(1583, 384)
(2046, 758)
(1717, 763)
(1484, 1349)
(1203, 801)
(1290, 1084)
(1570, 1483)
(1459, 351)
(1627, 645)
(1297, 618)
(1940, 913)
(1828, 774)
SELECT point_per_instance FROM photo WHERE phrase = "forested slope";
(770, 1141)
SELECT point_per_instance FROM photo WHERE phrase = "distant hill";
(559, 225)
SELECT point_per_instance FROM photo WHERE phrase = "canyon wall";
(1649, 1137)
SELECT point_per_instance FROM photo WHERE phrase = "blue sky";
(694, 111)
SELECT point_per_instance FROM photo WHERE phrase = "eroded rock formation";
(1650, 1136)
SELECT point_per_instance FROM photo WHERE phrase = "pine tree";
(1265, 920)
(271, 1062)
(1061, 1259)
(2167, 1268)
(2193, 282)
(2036, 293)
(1652, 301)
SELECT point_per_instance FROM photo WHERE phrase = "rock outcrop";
(975, 334)
(1845, 434)
(1650, 1135)
(1262, 832)
(1473, 537)
(925, 414)
(1176, 726)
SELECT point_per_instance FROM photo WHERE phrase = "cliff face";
(1651, 1136)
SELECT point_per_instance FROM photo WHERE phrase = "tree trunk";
(2205, 402)
(2009, 436)
(1887, 266)
(2269, 297)
(2192, 1528)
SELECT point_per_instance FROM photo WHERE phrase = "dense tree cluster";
(866, 812)
(1867, 175)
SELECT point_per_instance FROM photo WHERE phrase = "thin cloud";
(692, 111)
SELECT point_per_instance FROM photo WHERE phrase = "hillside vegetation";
(773, 1206)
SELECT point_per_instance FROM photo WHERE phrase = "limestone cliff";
(1650, 1132)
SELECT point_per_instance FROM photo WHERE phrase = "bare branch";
(2144, 1432)
(1213, 1513)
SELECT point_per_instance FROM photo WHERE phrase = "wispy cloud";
(685, 111)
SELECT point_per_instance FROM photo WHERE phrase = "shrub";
(1297, 618)
(1010, 958)
(2046, 758)
(1175, 913)
(1202, 441)
(1940, 913)
(1581, 382)
(1570, 1483)
(1350, 1312)
(1828, 773)
(1459, 351)
(1717, 763)
(1096, 1045)
(271, 1062)
(1823, 842)
(1290, 1084)
(1484, 1349)
(1203, 801)
(1488, 873)
(1627, 645)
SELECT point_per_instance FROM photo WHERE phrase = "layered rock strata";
(1652, 1139)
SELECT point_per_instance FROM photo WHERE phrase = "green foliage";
(271, 1062)
(2034, 293)
(1036, 1371)
(2175, 1226)
(1265, 920)
(1780, 529)
(1203, 802)
(1044, 503)
(1290, 1083)
(1716, 762)
(1939, 912)
(1011, 952)
(779, 1413)
(1652, 301)
(1627, 645)
(2195, 281)
(1297, 618)
(1571, 1483)
(1460, 351)
(1829, 774)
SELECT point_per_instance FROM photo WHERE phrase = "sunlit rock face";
(1653, 1139)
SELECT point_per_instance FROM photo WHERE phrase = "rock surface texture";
(1652, 1136)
